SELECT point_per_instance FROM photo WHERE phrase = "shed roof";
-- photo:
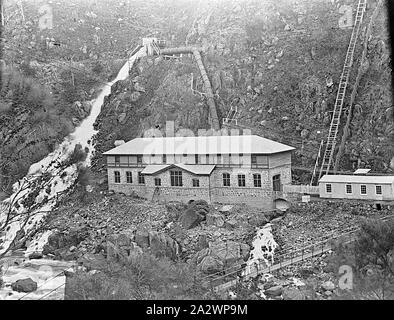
(358, 179)
(197, 169)
(245, 144)
(153, 168)
(361, 171)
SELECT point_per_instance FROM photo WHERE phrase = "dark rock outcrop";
(160, 244)
(122, 247)
(274, 291)
(221, 255)
(60, 242)
(24, 285)
(194, 214)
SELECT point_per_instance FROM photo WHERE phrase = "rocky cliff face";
(280, 62)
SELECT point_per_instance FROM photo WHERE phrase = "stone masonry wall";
(211, 188)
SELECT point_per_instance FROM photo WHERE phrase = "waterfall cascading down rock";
(61, 176)
(262, 254)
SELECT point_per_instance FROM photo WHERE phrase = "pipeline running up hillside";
(207, 84)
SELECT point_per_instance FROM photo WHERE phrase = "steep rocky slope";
(280, 62)
(65, 51)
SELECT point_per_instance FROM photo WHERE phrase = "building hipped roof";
(245, 144)
(197, 169)
(153, 168)
(357, 179)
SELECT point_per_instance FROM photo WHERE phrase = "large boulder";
(163, 245)
(122, 247)
(60, 241)
(328, 286)
(35, 255)
(226, 208)
(121, 117)
(274, 291)
(194, 214)
(214, 219)
(142, 238)
(82, 109)
(293, 293)
(229, 251)
(202, 242)
(24, 285)
(160, 244)
(87, 106)
(221, 255)
(210, 264)
(93, 261)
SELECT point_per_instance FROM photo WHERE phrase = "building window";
(129, 177)
(164, 158)
(276, 185)
(219, 160)
(363, 189)
(241, 180)
(117, 176)
(141, 178)
(157, 182)
(117, 160)
(196, 182)
(257, 180)
(348, 188)
(131, 159)
(328, 188)
(185, 158)
(176, 178)
(378, 189)
(207, 158)
(196, 158)
(139, 159)
(226, 179)
(241, 158)
(254, 159)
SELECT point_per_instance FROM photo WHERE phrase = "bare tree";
(9, 213)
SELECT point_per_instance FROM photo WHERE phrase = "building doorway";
(276, 183)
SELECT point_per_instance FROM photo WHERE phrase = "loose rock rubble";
(117, 227)
(307, 223)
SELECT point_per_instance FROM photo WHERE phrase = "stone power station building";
(219, 169)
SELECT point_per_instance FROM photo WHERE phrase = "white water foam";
(262, 254)
(61, 178)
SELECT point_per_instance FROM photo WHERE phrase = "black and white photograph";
(196, 157)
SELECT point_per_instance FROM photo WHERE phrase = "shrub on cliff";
(144, 277)
(371, 258)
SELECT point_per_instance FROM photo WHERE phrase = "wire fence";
(285, 258)
(61, 273)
